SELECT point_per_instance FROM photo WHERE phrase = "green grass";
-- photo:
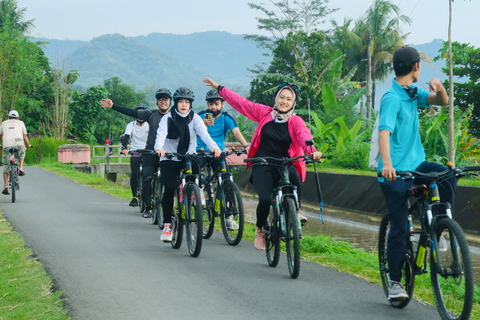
(17, 294)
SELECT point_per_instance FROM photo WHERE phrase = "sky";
(86, 19)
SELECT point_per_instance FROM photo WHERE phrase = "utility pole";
(369, 76)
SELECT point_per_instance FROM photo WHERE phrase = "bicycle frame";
(285, 189)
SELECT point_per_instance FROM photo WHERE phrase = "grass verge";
(321, 249)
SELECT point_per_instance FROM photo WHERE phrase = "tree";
(465, 63)
(11, 15)
(381, 23)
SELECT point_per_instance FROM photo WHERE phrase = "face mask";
(216, 113)
(140, 121)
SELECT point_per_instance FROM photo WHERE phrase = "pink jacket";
(262, 114)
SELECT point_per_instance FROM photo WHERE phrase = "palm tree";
(13, 16)
(385, 34)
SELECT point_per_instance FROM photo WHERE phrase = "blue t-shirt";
(399, 115)
(218, 131)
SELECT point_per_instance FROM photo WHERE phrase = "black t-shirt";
(275, 140)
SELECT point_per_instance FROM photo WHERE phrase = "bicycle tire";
(177, 222)
(193, 219)
(408, 275)
(13, 181)
(272, 241)
(232, 206)
(208, 215)
(141, 202)
(158, 205)
(292, 239)
(453, 284)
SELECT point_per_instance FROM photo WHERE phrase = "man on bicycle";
(13, 134)
(138, 131)
(401, 149)
(218, 123)
(152, 117)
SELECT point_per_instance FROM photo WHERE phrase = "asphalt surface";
(111, 264)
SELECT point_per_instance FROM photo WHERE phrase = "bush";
(49, 149)
(353, 156)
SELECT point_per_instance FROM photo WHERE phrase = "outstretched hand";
(211, 83)
(106, 103)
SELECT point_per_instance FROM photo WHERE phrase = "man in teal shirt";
(401, 149)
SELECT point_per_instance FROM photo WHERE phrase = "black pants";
(265, 178)
(135, 173)
(170, 173)
(149, 168)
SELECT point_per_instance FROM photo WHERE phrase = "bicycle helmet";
(163, 92)
(213, 95)
(289, 85)
(183, 93)
(141, 106)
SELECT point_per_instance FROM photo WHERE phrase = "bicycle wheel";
(158, 205)
(177, 222)
(13, 181)
(408, 276)
(453, 282)
(141, 202)
(292, 240)
(231, 213)
(208, 214)
(193, 219)
(272, 241)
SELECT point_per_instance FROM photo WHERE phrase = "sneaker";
(134, 203)
(259, 240)
(21, 173)
(147, 213)
(167, 233)
(231, 224)
(5, 191)
(303, 219)
(396, 291)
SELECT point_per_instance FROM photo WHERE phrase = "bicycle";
(283, 223)
(223, 199)
(187, 208)
(13, 183)
(157, 190)
(450, 265)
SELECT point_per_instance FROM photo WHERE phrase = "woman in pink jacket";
(281, 134)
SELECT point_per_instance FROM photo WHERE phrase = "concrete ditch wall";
(363, 194)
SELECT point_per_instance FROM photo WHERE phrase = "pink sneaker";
(259, 240)
(303, 219)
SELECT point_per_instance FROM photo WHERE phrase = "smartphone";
(208, 116)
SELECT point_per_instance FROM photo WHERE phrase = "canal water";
(361, 231)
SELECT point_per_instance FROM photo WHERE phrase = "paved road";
(111, 265)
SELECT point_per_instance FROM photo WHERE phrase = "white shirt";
(138, 135)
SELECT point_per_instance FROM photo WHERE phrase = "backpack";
(374, 149)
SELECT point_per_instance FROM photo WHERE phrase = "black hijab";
(178, 127)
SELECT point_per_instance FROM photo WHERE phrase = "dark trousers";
(397, 205)
(264, 179)
(135, 173)
(149, 168)
(170, 173)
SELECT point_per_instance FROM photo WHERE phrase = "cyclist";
(138, 130)
(280, 133)
(152, 117)
(401, 149)
(218, 123)
(13, 134)
(177, 134)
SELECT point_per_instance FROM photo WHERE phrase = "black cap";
(407, 56)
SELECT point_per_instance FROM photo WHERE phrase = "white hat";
(13, 114)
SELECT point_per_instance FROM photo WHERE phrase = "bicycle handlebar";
(411, 174)
(142, 151)
(264, 160)
(209, 154)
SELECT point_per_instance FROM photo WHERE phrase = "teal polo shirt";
(399, 115)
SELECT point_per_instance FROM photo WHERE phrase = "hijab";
(282, 116)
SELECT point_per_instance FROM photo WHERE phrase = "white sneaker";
(231, 224)
(167, 233)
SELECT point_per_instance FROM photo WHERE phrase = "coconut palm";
(12, 15)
